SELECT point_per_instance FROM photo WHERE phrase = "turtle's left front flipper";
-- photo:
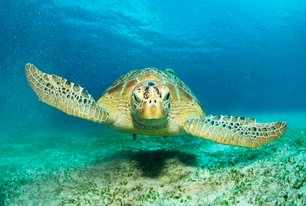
(237, 131)
(65, 95)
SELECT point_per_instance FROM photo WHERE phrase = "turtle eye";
(168, 96)
(136, 99)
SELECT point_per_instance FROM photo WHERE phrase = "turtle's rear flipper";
(65, 95)
(238, 131)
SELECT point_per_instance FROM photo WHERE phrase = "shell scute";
(125, 84)
(115, 88)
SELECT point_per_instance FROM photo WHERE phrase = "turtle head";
(150, 100)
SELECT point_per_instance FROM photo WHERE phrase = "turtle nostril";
(150, 101)
(155, 101)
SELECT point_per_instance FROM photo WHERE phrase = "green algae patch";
(155, 171)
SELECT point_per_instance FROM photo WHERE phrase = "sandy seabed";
(109, 168)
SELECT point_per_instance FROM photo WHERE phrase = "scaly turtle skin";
(151, 102)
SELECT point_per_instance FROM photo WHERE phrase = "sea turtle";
(151, 102)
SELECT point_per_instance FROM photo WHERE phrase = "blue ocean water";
(234, 55)
(240, 57)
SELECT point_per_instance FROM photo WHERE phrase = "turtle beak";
(152, 109)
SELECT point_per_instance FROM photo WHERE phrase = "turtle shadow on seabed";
(155, 157)
(155, 162)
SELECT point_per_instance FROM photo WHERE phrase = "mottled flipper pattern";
(237, 131)
(65, 95)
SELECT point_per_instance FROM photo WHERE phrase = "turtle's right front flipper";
(237, 131)
(65, 95)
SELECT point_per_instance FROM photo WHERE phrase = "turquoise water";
(238, 57)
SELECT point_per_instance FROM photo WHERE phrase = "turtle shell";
(117, 97)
